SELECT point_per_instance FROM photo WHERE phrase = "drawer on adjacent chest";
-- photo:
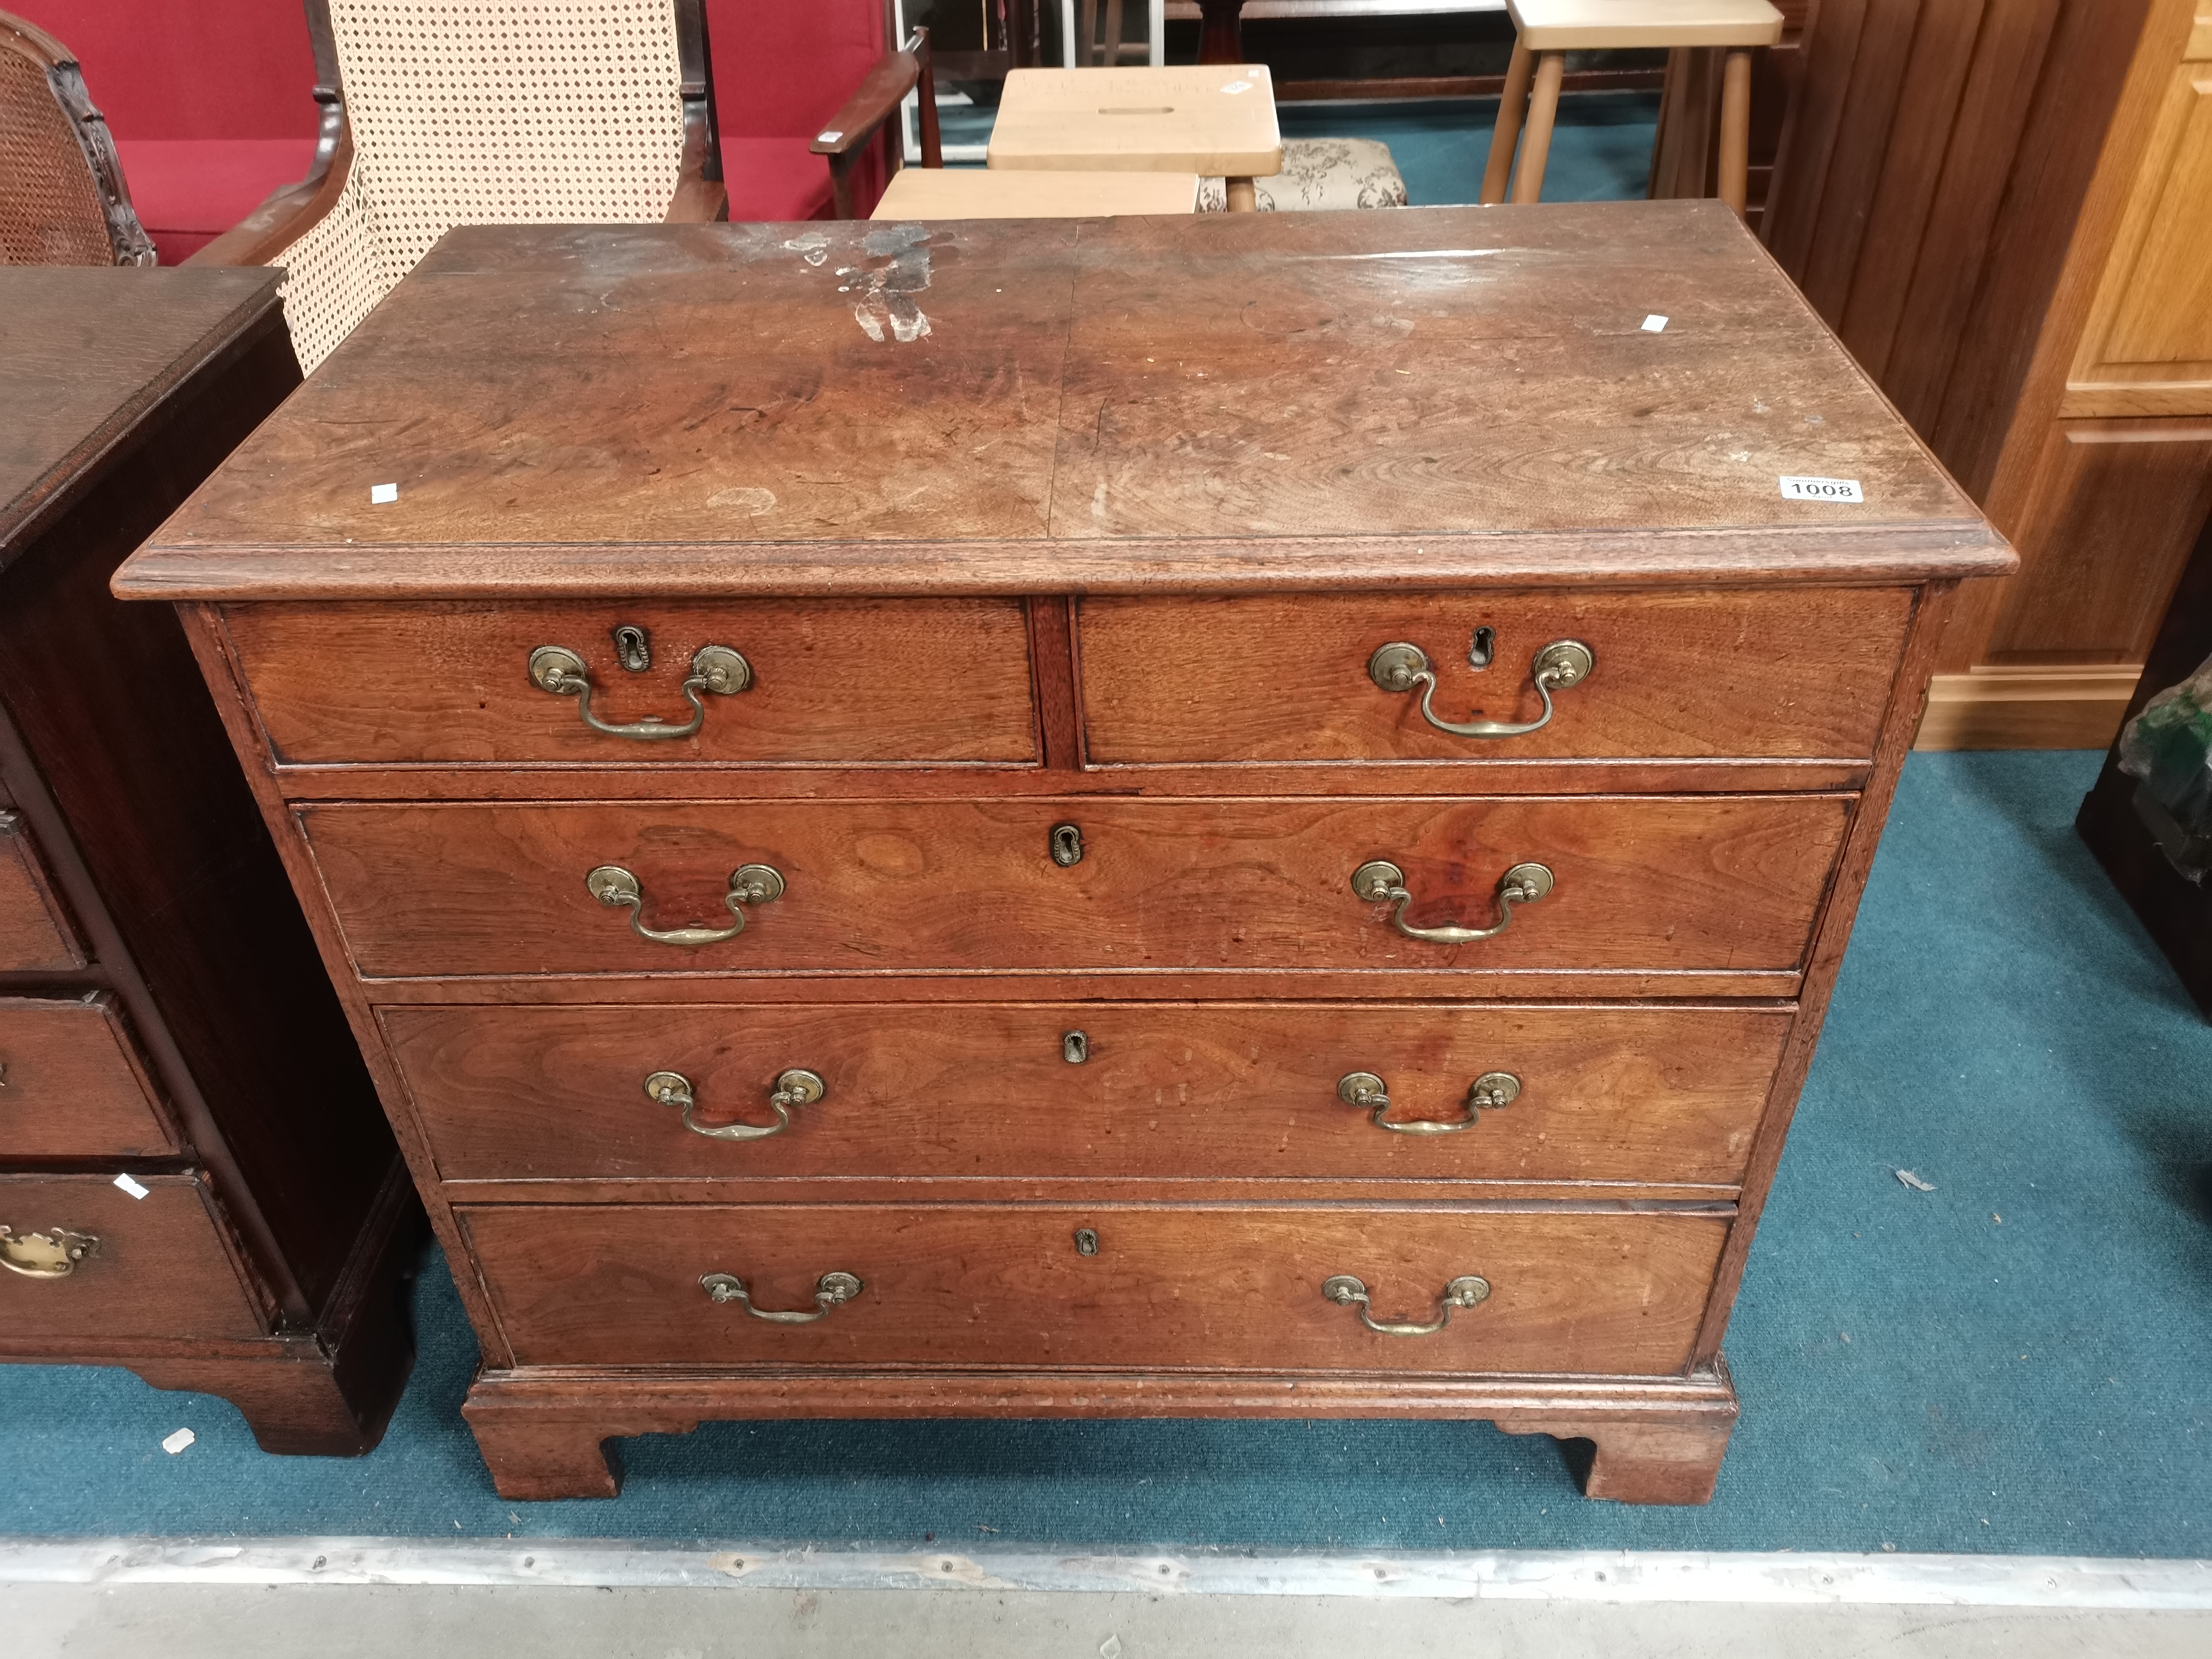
(72, 1083)
(855, 886)
(79, 1258)
(35, 933)
(767, 682)
(1791, 674)
(1065, 1285)
(1132, 1091)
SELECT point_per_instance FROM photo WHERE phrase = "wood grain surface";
(161, 1270)
(1790, 673)
(849, 682)
(35, 931)
(1237, 885)
(73, 1083)
(1172, 1285)
(1169, 1092)
(1101, 404)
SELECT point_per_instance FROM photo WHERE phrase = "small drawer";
(84, 1260)
(73, 1083)
(35, 933)
(1797, 675)
(1194, 1286)
(1129, 1090)
(841, 682)
(1640, 882)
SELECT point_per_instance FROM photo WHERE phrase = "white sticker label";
(1655, 323)
(177, 1442)
(830, 137)
(131, 1187)
(1235, 87)
(1822, 490)
(379, 495)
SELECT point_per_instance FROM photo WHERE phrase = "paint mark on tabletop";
(748, 498)
(813, 247)
(886, 291)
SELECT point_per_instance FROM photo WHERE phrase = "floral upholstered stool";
(1321, 174)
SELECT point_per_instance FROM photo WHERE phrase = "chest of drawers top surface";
(1195, 404)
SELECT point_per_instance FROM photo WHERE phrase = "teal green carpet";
(1600, 150)
(2017, 1361)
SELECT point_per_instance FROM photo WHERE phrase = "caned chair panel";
(484, 112)
(61, 197)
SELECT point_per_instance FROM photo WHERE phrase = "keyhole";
(633, 649)
(1482, 648)
(1066, 845)
(1086, 1241)
(1074, 1047)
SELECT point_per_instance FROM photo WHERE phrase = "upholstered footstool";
(1321, 174)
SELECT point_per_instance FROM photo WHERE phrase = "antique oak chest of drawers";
(1233, 815)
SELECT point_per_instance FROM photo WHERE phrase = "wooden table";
(195, 1180)
(1209, 120)
(1066, 942)
(978, 193)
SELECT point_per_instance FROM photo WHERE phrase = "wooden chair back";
(63, 201)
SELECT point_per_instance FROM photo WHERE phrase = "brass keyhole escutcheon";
(1066, 845)
(1086, 1240)
(633, 647)
(1074, 1047)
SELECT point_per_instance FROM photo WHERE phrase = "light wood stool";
(1547, 30)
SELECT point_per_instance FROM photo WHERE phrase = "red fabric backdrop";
(210, 101)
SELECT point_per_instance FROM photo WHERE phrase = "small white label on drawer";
(131, 1187)
(176, 1443)
(379, 495)
(1822, 490)
(1655, 323)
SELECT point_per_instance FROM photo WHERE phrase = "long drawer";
(72, 1083)
(1161, 1091)
(821, 681)
(1169, 1287)
(83, 1259)
(1778, 674)
(1655, 882)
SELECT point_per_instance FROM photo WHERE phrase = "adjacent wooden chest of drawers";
(1258, 819)
(195, 1179)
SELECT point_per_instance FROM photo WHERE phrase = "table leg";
(1536, 142)
(1221, 31)
(1499, 173)
(1736, 131)
(1242, 197)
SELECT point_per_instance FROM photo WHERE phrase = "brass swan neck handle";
(1349, 1292)
(1366, 1093)
(750, 883)
(1381, 881)
(796, 1087)
(716, 669)
(1400, 667)
(830, 1290)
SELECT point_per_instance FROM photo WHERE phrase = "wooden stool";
(1547, 30)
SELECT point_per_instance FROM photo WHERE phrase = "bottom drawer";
(76, 1086)
(151, 1267)
(1179, 1286)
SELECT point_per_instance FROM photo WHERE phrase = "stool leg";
(1499, 172)
(1536, 142)
(1243, 197)
(1736, 131)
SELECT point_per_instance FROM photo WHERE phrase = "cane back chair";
(63, 201)
(446, 112)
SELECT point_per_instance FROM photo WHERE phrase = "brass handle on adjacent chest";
(1400, 667)
(715, 668)
(1381, 881)
(1369, 1094)
(793, 1088)
(750, 883)
(830, 1290)
(1348, 1292)
(50, 1254)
